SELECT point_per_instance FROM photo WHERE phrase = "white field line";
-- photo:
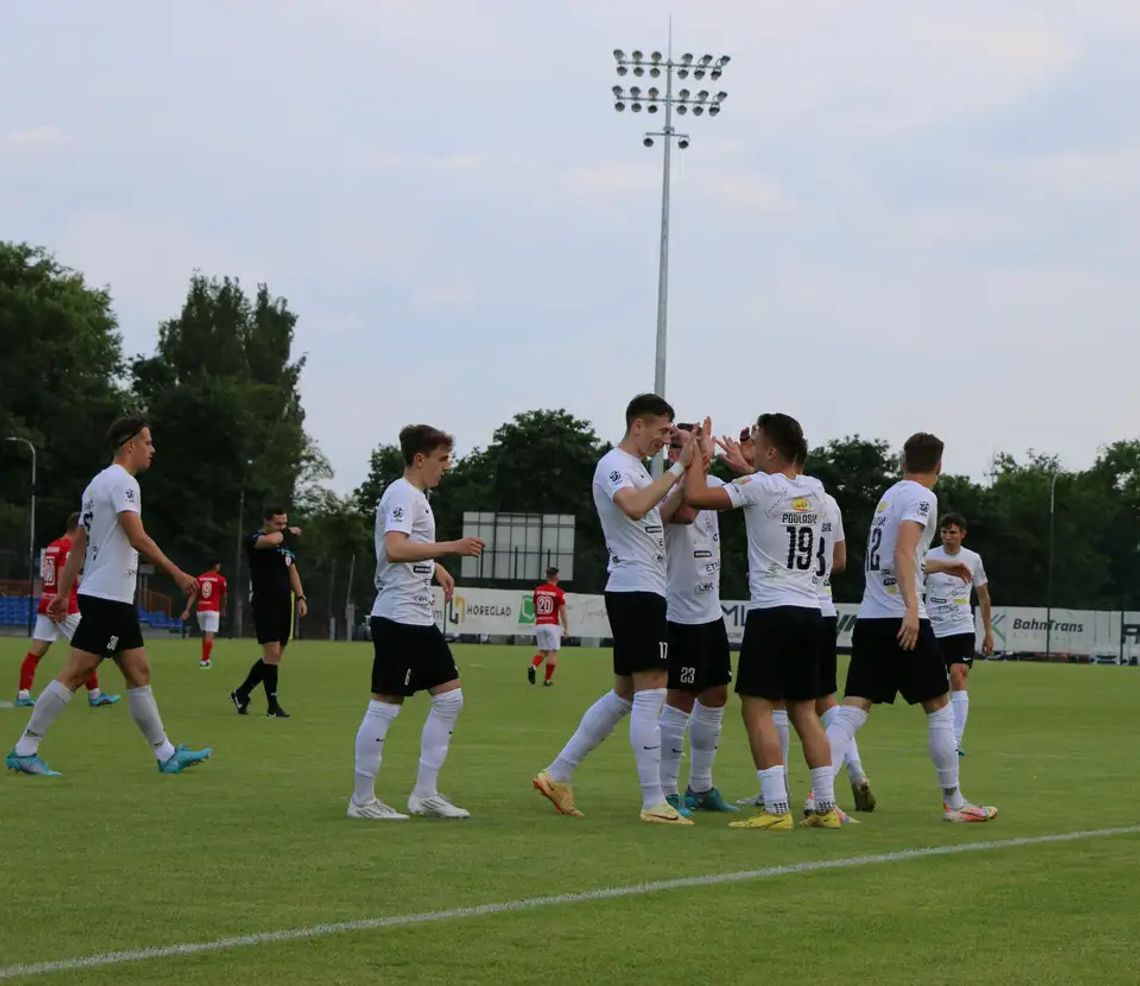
(533, 903)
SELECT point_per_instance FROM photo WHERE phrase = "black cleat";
(548, 684)
(530, 674)
(278, 713)
(241, 704)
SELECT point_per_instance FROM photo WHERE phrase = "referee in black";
(275, 584)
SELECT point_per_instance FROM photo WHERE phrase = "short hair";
(273, 510)
(123, 429)
(216, 563)
(784, 432)
(801, 453)
(953, 520)
(72, 522)
(684, 426)
(922, 452)
(423, 440)
(648, 406)
(551, 572)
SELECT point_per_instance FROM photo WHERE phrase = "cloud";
(46, 135)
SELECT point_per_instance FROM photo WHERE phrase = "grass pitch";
(115, 857)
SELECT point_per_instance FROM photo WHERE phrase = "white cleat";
(437, 806)
(375, 810)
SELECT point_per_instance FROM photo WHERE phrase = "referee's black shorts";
(272, 618)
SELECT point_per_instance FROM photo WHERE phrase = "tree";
(60, 360)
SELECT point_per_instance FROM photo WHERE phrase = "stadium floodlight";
(681, 102)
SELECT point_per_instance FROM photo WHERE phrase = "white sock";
(93, 694)
(378, 718)
(436, 739)
(944, 754)
(645, 738)
(52, 701)
(842, 724)
(704, 738)
(598, 722)
(960, 703)
(673, 725)
(780, 721)
(774, 790)
(144, 711)
(851, 758)
(823, 788)
(23, 693)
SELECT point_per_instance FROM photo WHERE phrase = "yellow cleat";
(558, 794)
(664, 814)
(830, 819)
(763, 819)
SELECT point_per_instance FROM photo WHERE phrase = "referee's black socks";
(269, 677)
(254, 678)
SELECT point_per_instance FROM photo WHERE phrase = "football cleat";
(558, 794)
(664, 814)
(674, 801)
(183, 758)
(437, 806)
(765, 820)
(375, 810)
(32, 764)
(241, 702)
(969, 813)
(864, 796)
(103, 699)
(24, 703)
(530, 674)
(710, 800)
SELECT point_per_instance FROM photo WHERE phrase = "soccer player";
(275, 584)
(551, 624)
(107, 547)
(893, 646)
(210, 595)
(779, 657)
(47, 631)
(948, 604)
(627, 501)
(409, 651)
(700, 665)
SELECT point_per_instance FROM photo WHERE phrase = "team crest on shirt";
(924, 507)
(130, 494)
(801, 503)
(881, 507)
(742, 480)
(398, 513)
(615, 476)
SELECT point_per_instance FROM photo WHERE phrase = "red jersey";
(211, 592)
(55, 557)
(548, 600)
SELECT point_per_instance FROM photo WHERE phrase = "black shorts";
(699, 656)
(880, 668)
(272, 618)
(779, 658)
(640, 631)
(958, 648)
(829, 657)
(408, 658)
(106, 627)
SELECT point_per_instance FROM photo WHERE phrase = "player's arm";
(838, 557)
(947, 566)
(400, 548)
(904, 562)
(564, 617)
(71, 570)
(699, 495)
(145, 545)
(674, 509)
(446, 581)
(191, 599)
(298, 591)
(983, 592)
(274, 538)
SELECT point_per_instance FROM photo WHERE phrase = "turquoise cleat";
(682, 809)
(710, 800)
(29, 765)
(24, 703)
(183, 757)
(103, 699)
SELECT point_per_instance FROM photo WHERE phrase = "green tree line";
(222, 390)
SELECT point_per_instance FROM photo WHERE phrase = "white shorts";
(548, 636)
(209, 621)
(48, 631)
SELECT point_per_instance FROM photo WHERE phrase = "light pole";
(1049, 579)
(31, 535)
(683, 102)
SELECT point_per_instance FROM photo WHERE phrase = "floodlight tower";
(685, 101)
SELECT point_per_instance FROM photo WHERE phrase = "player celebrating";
(627, 503)
(210, 595)
(409, 652)
(700, 665)
(550, 626)
(275, 585)
(948, 604)
(47, 631)
(779, 657)
(893, 646)
(107, 547)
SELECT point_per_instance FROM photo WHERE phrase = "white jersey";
(692, 562)
(636, 547)
(825, 558)
(784, 518)
(111, 568)
(403, 589)
(948, 597)
(906, 500)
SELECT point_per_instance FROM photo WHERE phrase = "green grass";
(114, 856)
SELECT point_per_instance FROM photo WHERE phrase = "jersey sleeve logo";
(615, 477)
(924, 507)
(881, 508)
(130, 494)
(398, 513)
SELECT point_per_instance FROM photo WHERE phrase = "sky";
(907, 217)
